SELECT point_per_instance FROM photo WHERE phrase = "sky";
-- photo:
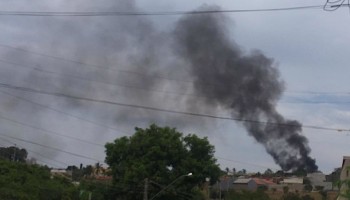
(93, 56)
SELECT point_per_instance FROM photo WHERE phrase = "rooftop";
(242, 181)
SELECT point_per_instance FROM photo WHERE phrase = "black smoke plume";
(248, 84)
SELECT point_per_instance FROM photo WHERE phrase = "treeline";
(13, 153)
(22, 181)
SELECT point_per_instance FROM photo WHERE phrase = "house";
(293, 183)
(334, 177)
(225, 183)
(244, 184)
(318, 179)
(59, 172)
(344, 176)
(261, 181)
(293, 180)
(251, 184)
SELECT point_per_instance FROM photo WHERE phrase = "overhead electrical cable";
(31, 90)
(62, 112)
(50, 147)
(48, 132)
(44, 162)
(140, 13)
(335, 5)
(101, 67)
(11, 142)
(315, 102)
(51, 159)
(245, 163)
(10, 154)
(64, 75)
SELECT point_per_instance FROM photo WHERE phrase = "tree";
(162, 155)
(13, 153)
(268, 172)
(87, 171)
(242, 172)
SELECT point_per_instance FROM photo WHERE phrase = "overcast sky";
(309, 47)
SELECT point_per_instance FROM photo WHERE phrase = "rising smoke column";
(249, 85)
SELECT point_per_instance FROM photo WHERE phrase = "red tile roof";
(260, 181)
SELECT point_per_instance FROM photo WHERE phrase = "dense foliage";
(13, 153)
(22, 181)
(161, 155)
(246, 195)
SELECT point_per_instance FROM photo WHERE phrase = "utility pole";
(208, 185)
(145, 193)
(220, 189)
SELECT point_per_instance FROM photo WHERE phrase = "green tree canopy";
(22, 181)
(13, 153)
(162, 155)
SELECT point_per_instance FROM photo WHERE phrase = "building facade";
(344, 178)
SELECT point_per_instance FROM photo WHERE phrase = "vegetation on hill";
(32, 182)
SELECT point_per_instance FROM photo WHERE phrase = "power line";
(335, 5)
(43, 156)
(47, 163)
(11, 142)
(245, 163)
(317, 92)
(62, 112)
(140, 13)
(101, 67)
(61, 75)
(4, 151)
(315, 102)
(50, 147)
(26, 89)
(48, 132)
